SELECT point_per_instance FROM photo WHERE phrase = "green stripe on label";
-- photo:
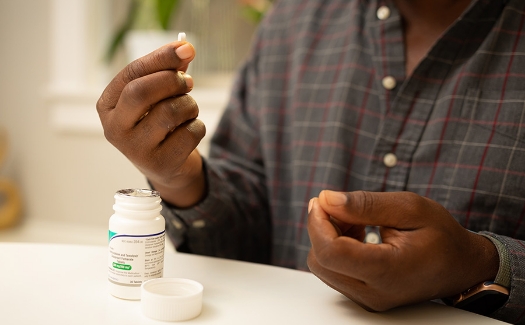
(125, 267)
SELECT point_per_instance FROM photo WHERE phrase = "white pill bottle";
(136, 242)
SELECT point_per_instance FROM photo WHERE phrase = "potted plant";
(145, 28)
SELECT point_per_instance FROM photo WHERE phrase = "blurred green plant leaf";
(252, 14)
(118, 37)
(165, 9)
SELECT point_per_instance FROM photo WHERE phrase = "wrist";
(484, 296)
(185, 190)
(486, 264)
(478, 262)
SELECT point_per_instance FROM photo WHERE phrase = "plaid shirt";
(312, 110)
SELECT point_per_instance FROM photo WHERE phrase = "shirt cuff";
(503, 276)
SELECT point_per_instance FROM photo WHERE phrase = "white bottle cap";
(171, 299)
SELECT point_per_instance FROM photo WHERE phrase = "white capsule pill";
(182, 37)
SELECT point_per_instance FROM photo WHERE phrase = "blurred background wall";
(51, 74)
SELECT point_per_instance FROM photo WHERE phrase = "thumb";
(186, 53)
(401, 210)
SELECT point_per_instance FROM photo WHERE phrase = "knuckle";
(316, 263)
(413, 198)
(110, 135)
(156, 60)
(135, 70)
(312, 263)
(169, 111)
(135, 92)
(188, 101)
(145, 128)
(197, 129)
(373, 306)
(165, 53)
(114, 134)
(364, 200)
(322, 259)
(186, 104)
(107, 100)
(414, 202)
(371, 300)
(327, 254)
(100, 105)
(176, 111)
(378, 305)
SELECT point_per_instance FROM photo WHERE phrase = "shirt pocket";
(490, 164)
(495, 115)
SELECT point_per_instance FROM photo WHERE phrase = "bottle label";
(134, 259)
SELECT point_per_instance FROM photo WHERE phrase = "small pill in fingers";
(182, 37)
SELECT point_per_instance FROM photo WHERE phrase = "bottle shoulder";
(134, 226)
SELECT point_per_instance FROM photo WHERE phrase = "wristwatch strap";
(503, 276)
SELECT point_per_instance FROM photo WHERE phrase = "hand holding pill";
(147, 114)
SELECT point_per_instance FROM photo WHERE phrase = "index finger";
(341, 254)
(172, 56)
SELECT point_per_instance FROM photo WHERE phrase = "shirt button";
(390, 160)
(389, 82)
(199, 224)
(383, 12)
(176, 224)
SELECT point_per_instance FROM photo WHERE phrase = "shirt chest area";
(346, 90)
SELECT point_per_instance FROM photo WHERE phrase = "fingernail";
(310, 204)
(335, 198)
(184, 52)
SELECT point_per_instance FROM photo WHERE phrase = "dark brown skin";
(425, 253)
(162, 144)
(423, 22)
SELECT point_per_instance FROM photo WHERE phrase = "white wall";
(64, 177)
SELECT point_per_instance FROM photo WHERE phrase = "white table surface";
(67, 284)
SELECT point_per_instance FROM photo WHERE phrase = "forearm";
(232, 221)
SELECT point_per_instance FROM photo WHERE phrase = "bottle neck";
(137, 203)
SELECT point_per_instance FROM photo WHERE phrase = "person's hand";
(147, 115)
(425, 253)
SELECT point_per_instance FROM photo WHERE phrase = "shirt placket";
(407, 103)
(387, 166)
